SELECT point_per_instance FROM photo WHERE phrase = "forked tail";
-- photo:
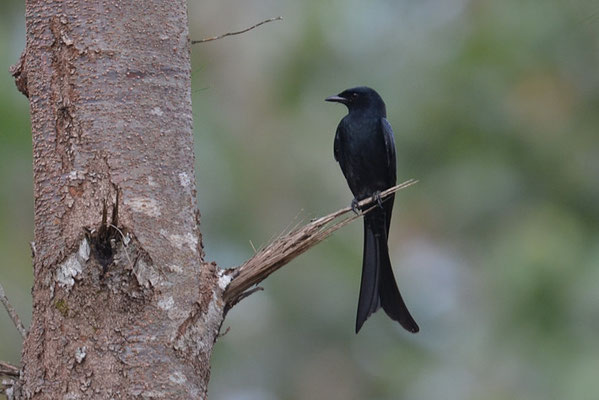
(378, 287)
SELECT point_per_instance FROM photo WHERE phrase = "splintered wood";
(288, 246)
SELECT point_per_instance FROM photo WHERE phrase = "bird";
(364, 147)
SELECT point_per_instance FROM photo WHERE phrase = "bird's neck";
(368, 113)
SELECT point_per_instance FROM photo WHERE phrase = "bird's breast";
(365, 156)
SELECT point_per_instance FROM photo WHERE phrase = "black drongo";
(365, 150)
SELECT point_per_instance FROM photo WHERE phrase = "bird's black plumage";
(365, 149)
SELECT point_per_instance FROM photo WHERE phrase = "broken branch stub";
(12, 313)
(287, 247)
(210, 39)
(7, 369)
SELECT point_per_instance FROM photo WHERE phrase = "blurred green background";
(495, 108)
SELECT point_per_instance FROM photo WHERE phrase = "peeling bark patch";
(63, 54)
(179, 241)
(68, 270)
(144, 205)
(84, 250)
(198, 333)
(20, 74)
(146, 274)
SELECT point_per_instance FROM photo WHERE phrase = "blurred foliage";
(495, 107)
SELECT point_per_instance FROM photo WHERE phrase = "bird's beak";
(337, 99)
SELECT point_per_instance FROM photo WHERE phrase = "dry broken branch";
(236, 33)
(7, 369)
(7, 384)
(285, 248)
(12, 313)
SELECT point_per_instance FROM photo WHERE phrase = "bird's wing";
(337, 144)
(391, 166)
(389, 143)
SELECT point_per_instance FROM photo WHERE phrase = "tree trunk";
(123, 304)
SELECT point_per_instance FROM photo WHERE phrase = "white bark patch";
(76, 175)
(184, 179)
(181, 240)
(84, 250)
(151, 181)
(68, 270)
(175, 268)
(157, 111)
(178, 378)
(223, 279)
(80, 354)
(73, 265)
(145, 274)
(144, 205)
(166, 303)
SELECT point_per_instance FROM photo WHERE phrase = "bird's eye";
(354, 95)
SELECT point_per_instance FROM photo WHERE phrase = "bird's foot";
(355, 206)
(376, 197)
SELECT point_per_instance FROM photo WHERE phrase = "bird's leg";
(376, 196)
(355, 206)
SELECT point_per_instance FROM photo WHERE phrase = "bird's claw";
(355, 206)
(376, 197)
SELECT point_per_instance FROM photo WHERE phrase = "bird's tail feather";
(378, 287)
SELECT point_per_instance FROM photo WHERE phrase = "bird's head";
(360, 98)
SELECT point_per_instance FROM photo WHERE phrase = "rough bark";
(123, 307)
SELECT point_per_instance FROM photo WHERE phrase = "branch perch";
(287, 247)
(12, 313)
(236, 33)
